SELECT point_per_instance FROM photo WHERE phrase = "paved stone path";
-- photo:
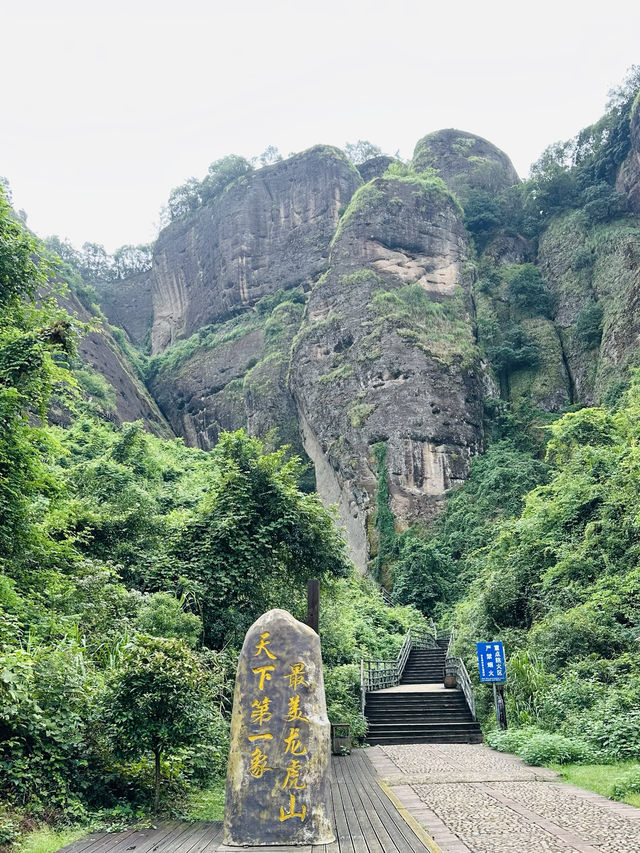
(471, 799)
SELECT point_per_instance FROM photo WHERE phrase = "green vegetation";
(130, 569)
(191, 195)
(544, 557)
(361, 151)
(385, 522)
(440, 329)
(618, 781)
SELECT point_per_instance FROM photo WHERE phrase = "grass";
(208, 804)
(597, 777)
(48, 840)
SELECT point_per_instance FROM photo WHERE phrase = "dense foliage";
(544, 556)
(577, 174)
(130, 568)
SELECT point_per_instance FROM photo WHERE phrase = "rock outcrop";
(386, 355)
(128, 304)
(268, 230)
(102, 353)
(464, 162)
(380, 379)
(594, 274)
(234, 377)
(628, 181)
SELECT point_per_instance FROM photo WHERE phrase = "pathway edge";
(409, 819)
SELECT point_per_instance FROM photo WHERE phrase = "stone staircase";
(420, 709)
(424, 666)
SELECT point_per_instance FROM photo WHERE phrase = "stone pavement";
(471, 799)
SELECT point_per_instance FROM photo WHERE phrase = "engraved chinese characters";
(277, 782)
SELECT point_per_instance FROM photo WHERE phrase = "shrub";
(548, 748)
(589, 325)
(342, 686)
(539, 747)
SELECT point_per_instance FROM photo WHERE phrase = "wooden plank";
(401, 833)
(354, 828)
(372, 827)
(341, 826)
(183, 841)
(383, 831)
(211, 837)
(146, 839)
(98, 841)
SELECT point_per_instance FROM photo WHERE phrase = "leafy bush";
(549, 748)
(538, 747)
(342, 686)
(529, 291)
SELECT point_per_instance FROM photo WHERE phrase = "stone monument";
(277, 776)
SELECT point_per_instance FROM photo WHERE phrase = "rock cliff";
(628, 181)
(351, 315)
(464, 162)
(386, 354)
(267, 231)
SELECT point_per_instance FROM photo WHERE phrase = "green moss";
(385, 522)
(548, 379)
(462, 144)
(261, 378)
(441, 329)
(365, 197)
(334, 319)
(359, 412)
(363, 276)
(206, 339)
(342, 371)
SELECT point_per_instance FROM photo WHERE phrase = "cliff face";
(105, 356)
(628, 182)
(358, 322)
(235, 377)
(267, 231)
(594, 274)
(386, 355)
(128, 304)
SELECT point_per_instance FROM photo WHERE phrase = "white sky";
(105, 107)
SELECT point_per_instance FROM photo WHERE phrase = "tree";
(256, 539)
(184, 199)
(131, 260)
(155, 701)
(361, 151)
(222, 173)
(269, 156)
(528, 290)
(423, 575)
(33, 340)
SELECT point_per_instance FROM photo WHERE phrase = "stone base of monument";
(277, 775)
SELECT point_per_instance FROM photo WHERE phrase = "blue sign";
(491, 663)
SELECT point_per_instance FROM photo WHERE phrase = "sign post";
(493, 670)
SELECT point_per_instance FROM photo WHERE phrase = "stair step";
(439, 738)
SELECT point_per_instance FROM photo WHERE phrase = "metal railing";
(378, 674)
(454, 665)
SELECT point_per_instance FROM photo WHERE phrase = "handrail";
(449, 652)
(455, 665)
(378, 674)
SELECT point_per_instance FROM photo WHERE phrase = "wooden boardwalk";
(365, 820)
